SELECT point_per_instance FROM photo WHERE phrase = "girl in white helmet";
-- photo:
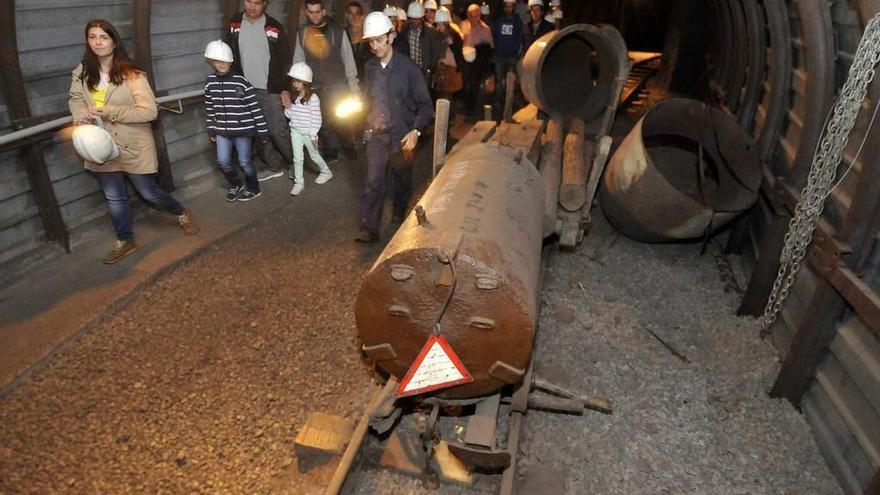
(304, 113)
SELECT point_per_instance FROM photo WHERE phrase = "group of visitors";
(275, 98)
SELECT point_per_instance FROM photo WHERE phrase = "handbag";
(447, 79)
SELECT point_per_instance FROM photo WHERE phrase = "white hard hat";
(484, 9)
(557, 14)
(94, 144)
(555, 3)
(377, 24)
(469, 53)
(442, 15)
(445, 2)
(539, 3)
(301, 71)
(401, 14)
(550, 17)
(415, 10)
(218, 50)
(390, 11)
(510, 1)
(430, 4)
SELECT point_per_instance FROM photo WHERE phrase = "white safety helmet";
(557, 14)
(218, 50)
(390, 11)
(539, 3)
(430, 4)
(415, 10)
(442, 15)
(484, 9)
(550, 17)
(94, 144)
(555, 3)
(445, 2)
(301, 71)
(510, 1)
(401, 14)
(469, 53)
(377, 24)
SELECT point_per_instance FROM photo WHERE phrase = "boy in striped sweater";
(234, 117)
(304, 113)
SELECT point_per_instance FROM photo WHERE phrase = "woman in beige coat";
(110, 91)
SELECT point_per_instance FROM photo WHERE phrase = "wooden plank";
(18, 109)
(859, 353)
(860, 418)
(143, 56)
(761, 281)
(835, 443)
(524, 137)
(479, 133)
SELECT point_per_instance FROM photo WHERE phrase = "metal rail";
(63, 121)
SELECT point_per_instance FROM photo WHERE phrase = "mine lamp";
(348, 107)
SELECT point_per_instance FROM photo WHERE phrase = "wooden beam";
(18, 109)
(143, 56)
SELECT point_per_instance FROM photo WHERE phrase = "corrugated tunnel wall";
(775, 65)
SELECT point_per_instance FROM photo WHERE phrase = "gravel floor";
(203, 381)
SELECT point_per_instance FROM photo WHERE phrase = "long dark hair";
(306, 94)
(122, 67)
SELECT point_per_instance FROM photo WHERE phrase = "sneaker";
(264, 175)
(233, 193)
(121, 250)
(324, 177)
(366, 237)
(297, 188)
(186, 222)
(248, 195)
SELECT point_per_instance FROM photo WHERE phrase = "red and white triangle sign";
(437, 366)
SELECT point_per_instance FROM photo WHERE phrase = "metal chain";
(826, 158)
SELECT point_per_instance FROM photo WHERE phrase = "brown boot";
(187, 224)
(121, 250)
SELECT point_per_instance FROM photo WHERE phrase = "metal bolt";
(420, 215)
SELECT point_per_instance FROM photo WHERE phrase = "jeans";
(224, 157)
(300, 141)
(381, 153)
(502, 67)
(276, 153)
(116, 192)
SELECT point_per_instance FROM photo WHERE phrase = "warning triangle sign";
(437, 366)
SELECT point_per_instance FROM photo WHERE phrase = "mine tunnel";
(611, 246)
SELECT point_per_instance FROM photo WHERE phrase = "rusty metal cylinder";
(572, 72)
(573, 190)
(551, 171)
(684, 168)
(480, 240)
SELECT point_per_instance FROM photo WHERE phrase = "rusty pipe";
(484, 212)
(573, 190)
(551, 172)
(684, 167)
(554, 84)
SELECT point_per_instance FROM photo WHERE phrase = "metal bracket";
(178, 110)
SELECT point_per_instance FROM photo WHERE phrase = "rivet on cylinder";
(399, 310)
(487, 282)
(482, 323)
(402, 273)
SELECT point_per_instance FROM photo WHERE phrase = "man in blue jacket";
(507, 32)
(399, 109)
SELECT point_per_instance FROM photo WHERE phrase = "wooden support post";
(509, 85)
(18, 108)
(764, 274)
(441, 132)
(143, 56)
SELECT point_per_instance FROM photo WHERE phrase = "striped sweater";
(232, 107)
(305, 117)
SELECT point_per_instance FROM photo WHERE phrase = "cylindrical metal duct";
(483, 212)
(571, 72)
(683, 167)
